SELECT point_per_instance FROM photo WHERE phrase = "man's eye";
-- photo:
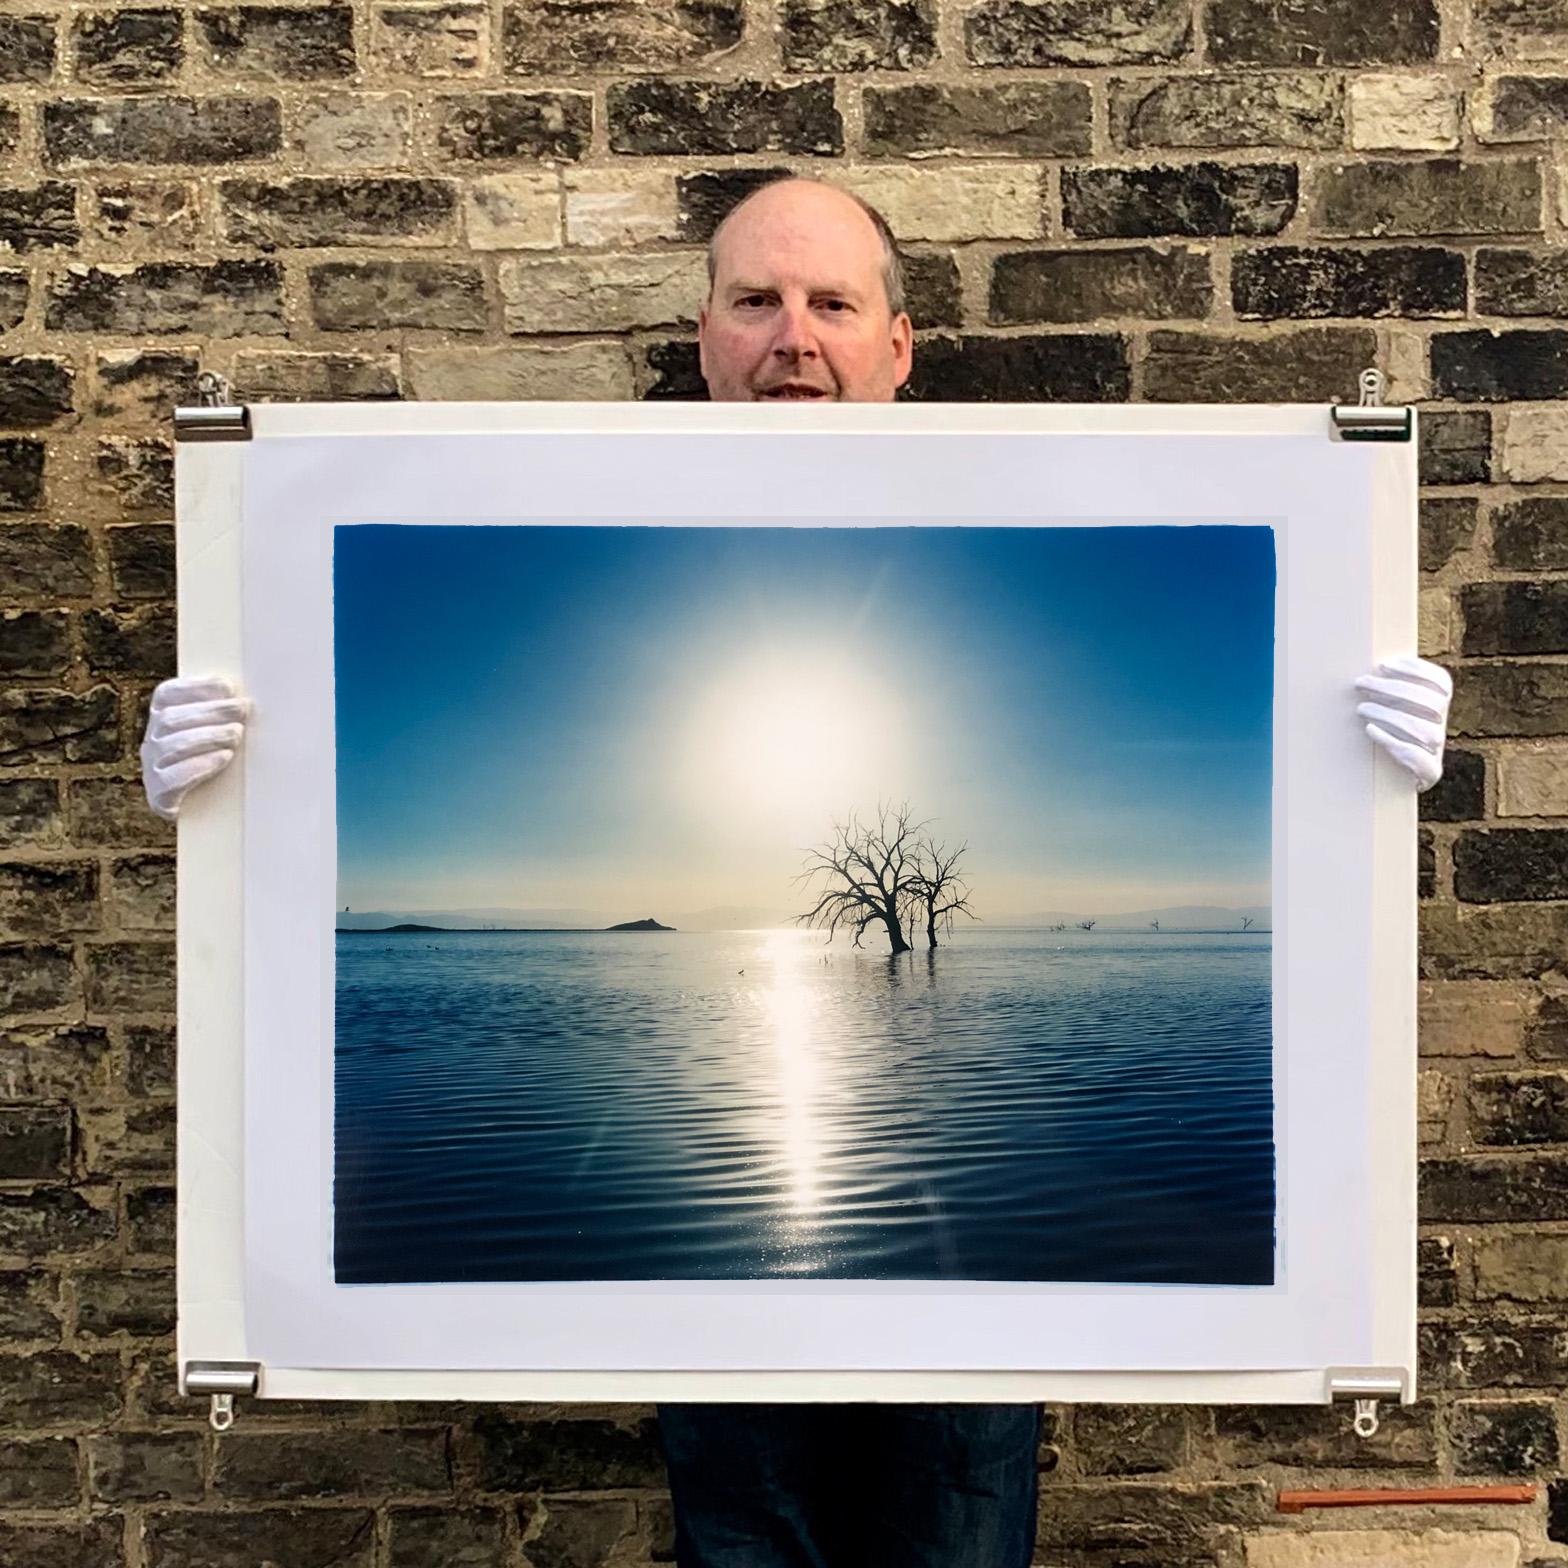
(753, 299)
(836, 304)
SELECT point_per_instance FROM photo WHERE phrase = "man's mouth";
(792, 390)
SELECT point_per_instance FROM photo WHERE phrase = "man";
(806, 303)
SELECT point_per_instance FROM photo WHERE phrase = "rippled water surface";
(1020, 1105)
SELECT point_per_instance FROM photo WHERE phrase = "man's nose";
(794, 338)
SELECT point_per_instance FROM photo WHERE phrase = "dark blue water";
(1021, 1105)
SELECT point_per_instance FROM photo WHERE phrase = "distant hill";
(650, 924)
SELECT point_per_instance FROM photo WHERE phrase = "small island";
(650, 924)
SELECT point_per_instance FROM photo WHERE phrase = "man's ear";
(702, 340)
(903, 347)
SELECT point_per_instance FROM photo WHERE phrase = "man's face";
(798, 309)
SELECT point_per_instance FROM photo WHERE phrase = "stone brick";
(138, 472)
(563, 37)
(29, 1304)
(289, 376)
(33, 642)
(675, 118)
(60, 1063)
(144, 1467)
(1534, 447)
(1129, 1439)
(1521, 109)
(1531, 1269)
(1521, 282)
(1312, 365)
(150, 1060)
(576, 1530)
(857, 35)
(1194, 199)
(1059, 32)
(37, 561)
(34, 390)
(27, 48)
(490, 127)
(1533, 783)
(339, 211)
(566, 1454)
(1218, 109)
(602, 293)
(1515, 617)
(128, 48)
(29, 812)
(430, 41)
(1437, 1278)
(280, 43)
(178, 129)
(677, 373)
(1546, 1036)
(284, 1465)
(441, 295)
(345, 130)
(704, 200)
(1022, 119)
(220, 299)
(513, 212)
(37, 1224)
(1396, 280)
(44, 898)
(13, 298)
(1069, 367)
(10, 131)
(113, 813)
(139, 1302)
(39, 1474)
(1511, 864)
(1088, 285)
(306, 1537)
(1447, 527)
(1490, 1187)
(141, 892)
(95, 1543)
(1471, 1018)
(149, 1214)
(1460, 795)
(620, 207)
(1523, 28)
(1492, 942)
(1127, 1522)
(579, 372)
(165, 213)
(1432, 196)
(1431, 1548)
(1455, 446)
(40, 724)
(144, 386)
(132, 977)
(1516, 1437)
(1512, 1109)
(21, 476)
(466, 1538)
(1321, 32)
(1248, 1435)
(35, 1143)
(1426, 864)
(1403, 113)
(38, 217)
(933, 291)
(952, 203)
(1500, 367)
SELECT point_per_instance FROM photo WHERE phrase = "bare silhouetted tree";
(864, 875)
(938, 890)
(1086, 925)
(1246, 921)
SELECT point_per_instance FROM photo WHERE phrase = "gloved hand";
(1408, 716)
(193, 728)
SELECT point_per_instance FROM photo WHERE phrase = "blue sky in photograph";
(660, 721)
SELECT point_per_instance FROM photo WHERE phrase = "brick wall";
(1156, 199)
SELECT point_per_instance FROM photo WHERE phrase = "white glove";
(193, 729)
(1408, 716)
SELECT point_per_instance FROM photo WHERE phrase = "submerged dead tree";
(864, 876)
(938, 891)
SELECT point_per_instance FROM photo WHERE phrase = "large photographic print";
(725, 903)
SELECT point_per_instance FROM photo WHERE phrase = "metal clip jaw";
(1370, 419)
(215, 418)
(222, 1380)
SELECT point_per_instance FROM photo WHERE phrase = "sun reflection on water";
(791, 1013)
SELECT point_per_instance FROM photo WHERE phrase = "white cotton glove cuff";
(1408, 714)
(194, 727)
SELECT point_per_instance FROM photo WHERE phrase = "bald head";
(805, 300)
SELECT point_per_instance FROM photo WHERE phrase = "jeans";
(851, 1486)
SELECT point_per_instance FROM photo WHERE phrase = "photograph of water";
(726, 904)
